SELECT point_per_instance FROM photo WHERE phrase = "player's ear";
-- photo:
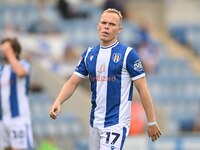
(119, 30)
(98, 26)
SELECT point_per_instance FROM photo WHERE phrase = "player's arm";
(153, 128)
(65, 93)
(12, 59)
(142, 88)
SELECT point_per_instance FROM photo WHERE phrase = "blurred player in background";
(15, 123)
(112, 68)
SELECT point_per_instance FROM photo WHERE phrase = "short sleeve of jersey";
(81, 69)
(134, 65)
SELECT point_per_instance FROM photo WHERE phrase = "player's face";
(109, 27)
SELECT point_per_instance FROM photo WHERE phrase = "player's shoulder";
(130, 52)
(93, 50)
(127, 48)
(122, 45)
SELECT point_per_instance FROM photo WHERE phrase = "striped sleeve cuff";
(138, 77)
(80, 75)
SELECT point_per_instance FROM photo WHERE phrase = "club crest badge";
(116, 57)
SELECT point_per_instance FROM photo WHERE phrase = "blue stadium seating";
(188, 35)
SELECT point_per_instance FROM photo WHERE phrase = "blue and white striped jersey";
(111, 71)
(13, 92)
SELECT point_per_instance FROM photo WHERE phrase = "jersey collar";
(110, 46)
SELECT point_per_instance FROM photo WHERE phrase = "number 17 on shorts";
(114, 140)
(110, 138)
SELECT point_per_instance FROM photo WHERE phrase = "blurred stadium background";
(166, 34)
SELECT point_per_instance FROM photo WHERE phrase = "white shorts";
(110, 138)
(16, 135)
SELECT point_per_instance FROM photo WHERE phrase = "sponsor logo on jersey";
(102, 68)
(102, 78)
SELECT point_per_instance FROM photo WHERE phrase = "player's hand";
(55, 110)
(154, 132)
(7, 49)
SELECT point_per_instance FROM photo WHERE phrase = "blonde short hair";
(113, 10)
